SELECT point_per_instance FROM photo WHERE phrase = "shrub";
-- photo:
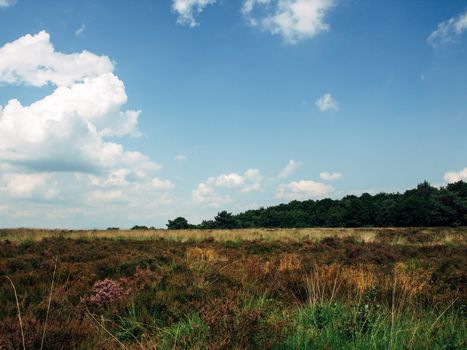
(106, 292)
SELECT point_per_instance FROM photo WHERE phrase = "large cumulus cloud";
(67, 129)
(71, 131)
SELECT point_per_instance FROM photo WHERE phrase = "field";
(391, 288)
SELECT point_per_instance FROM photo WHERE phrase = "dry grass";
(208, 255)
(210, 294)
(19, 311)
(290, 262)
(403, 285)
(396, 236)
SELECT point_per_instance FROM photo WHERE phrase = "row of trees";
(424, 205)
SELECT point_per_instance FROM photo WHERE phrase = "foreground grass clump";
(333, 293)
(338, 326)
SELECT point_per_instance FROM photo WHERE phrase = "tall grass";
(340, 326)
(48, 304)
(340, 293)
(397, 236)
(18, 310)
(343, 312)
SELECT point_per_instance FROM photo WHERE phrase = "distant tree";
(207, 224)
(417, 206)
(225, 220)
(459, 187)
(424, 205)
(138, 227)
(179, 223)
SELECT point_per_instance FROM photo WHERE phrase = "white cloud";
(207, 192)
(32, 60)
(180, 157)
(118, 177)
(448, 30)
(106, 196)
(56, 151)
(327, 103)
(327, 176)
(66, 130)
(253, 179)
(28, 186)
(230, 180)
(7, 3)
(162, 185)
(248, 7)
(188, 10)
(289, 169)
(294, 20)
(304, 189)
(80, 30)
(453, 176)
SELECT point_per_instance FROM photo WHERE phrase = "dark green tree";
(424, 205)
(225, 220)
(179, 223)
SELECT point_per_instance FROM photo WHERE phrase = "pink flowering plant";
(105, 292)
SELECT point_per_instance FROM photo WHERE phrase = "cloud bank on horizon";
(58, 148)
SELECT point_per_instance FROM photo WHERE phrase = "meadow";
(369, 288)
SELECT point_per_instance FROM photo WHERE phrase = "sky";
(117, 113)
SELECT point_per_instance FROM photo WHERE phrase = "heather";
(360, 290)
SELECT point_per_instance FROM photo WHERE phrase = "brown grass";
(234, 289)
(395, 236)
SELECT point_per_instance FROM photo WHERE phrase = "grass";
(338, 326)
(290, 289)
(19, 311)
(398, 236)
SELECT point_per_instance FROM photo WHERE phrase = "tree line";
(422, 206)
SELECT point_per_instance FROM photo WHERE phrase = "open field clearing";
(416, 235)
(259, 289)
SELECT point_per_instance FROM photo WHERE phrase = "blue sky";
(188, 107)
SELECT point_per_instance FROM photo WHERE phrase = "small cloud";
(227, 180)
(327, 176)
(304, 189)
(289, 169)
(162, 185)
(253, 180)
(105, 196)
(327, 103)
(7, 3)
(448, 30)
(180, 157)
(80, 30)
(294, 20)
(207, 192)
(188, 10)
(248, 8)
(454, 176)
